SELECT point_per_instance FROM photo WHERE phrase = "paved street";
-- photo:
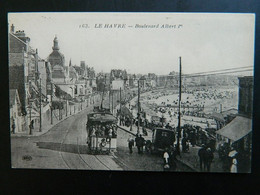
(141, 162)
(63, 147)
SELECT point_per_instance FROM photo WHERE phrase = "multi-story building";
(16, 118)
(238, 133)
(26, 72)
(245, 105)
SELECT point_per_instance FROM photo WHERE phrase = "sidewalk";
(191, 159)
(46, 124)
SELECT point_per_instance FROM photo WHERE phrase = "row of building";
(235, 130)
(36, 84)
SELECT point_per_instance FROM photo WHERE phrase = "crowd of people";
(103, 131)
(206, 157)
(140, 143)
(191, 134)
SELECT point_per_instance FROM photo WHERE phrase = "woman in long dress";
(233, 168)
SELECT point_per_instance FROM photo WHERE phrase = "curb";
(126, 130)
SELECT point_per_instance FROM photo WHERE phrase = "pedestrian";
(144, 131)
(110, 133)
(148, 146)
(172, 162)
(136, 122)
(201, 154)
(187, 146)
(183, 144)
(13, 127)
(130, 144)
(233, 168)
(209, 156)
(32, 122)
(30, 127)
(121, 120)
(193, 138)
(166, 157)
(131, 127)
(138, 143)
(142, 143)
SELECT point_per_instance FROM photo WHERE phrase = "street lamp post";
(40, 129)
(30, 126)
(112, 102)
(120, 103)
(51, 104)
(179, 113)
(138, 108)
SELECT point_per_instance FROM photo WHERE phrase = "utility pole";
(112, 102)
(102, 97)
(120, 100)
(179, 114)
(30, 118)
(51, 104)
(59, 109)
(138, 108)
(109, 100)
(66, 104)
(40, 129)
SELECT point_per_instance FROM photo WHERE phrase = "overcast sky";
(205, 42)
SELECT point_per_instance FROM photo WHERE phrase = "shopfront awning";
(237, 128)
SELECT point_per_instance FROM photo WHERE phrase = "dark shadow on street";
(70, 148)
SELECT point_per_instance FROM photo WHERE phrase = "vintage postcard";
(131, 91)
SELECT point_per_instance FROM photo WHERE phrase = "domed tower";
(55, 44)
(56, 57)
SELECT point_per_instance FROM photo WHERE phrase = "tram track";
(81, 156)
(121, 162)
(102, 162)
(62, 157)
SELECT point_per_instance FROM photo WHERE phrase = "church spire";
(55, 44)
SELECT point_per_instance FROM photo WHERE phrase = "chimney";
(12, 29)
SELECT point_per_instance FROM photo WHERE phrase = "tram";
(101, 131)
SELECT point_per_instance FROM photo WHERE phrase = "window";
(164, 134)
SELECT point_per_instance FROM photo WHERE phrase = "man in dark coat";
(32, 122)
(172, 162)
(209, 156)
(201, 154)
(13, 127)
(138, 143)
(131, 144)
(184, 144)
